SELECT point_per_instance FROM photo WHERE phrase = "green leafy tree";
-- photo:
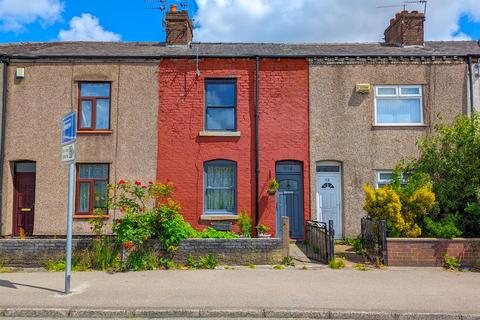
(451, 158)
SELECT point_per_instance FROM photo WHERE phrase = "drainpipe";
(257, 166)
(470, 83)
(4, 61)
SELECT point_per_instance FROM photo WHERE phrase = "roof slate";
(152, 50)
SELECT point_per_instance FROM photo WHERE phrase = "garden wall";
(34, 252)
(429, 252)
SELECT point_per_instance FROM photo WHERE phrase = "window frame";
(399, 96)
(219, 163)
(91, 200)
(384, 181)
(93, 100)
(206, 106)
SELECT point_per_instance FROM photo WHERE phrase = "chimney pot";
(406, 29)
(173, 8)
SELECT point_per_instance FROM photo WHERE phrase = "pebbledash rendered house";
(221, 120)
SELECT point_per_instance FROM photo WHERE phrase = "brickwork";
(34, 252)
(283, 129)
(406, 29)
(430, 252)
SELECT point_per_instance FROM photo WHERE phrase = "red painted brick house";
(208, 136)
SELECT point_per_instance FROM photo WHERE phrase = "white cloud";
(321, 20)
(15, 14)
(87, 28)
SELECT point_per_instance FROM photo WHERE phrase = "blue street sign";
(69, 128)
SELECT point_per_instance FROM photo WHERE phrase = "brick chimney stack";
(178, 27)
(406, 29)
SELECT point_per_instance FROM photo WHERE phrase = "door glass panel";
(25, 167)
(102, 118)
(327, 185)
(288, 185)
(288, 168)
(327, 168)
(84, 197)
(86, 116)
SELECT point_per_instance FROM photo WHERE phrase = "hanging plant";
(273, 187)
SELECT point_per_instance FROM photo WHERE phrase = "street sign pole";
(68, 266)
(68, 156)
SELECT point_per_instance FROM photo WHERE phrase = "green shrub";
(262, 229)
(208, 262)
(451, 157)
(446, 229)
(104, 254)
(336, 263)
(142, 260)
(245, 224)
(166, 263)
(450, 263)
(211, 233)
(288, 262)
(80, 262)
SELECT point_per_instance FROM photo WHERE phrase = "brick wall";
(283, 130)
(34, 252)
(428, 252)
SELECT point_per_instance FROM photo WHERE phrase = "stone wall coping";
(433, 240)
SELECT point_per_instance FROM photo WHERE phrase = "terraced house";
(221, 120)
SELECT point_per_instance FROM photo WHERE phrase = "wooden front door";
(24, 198)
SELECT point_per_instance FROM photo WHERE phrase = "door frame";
(302, 193)
(340, 188)
(15, 231)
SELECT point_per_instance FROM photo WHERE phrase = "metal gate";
(319, 240)
(374, 240)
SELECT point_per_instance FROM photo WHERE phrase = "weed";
(278, 267)
(336, 263)
(288, 262)
(252, 266)
(229, 268)
(166, 263)
(450, 263)
(142, 260)
(361, 267)
(4, 269)
(304, 267)
(208, 262)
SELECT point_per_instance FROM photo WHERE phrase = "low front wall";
(34, 252)
(429, 252)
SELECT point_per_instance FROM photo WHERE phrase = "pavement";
(390, 293)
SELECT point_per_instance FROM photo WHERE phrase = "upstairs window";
(220, 187)
(94, 106)
(398, 105)
(220, 105)
(92, 188)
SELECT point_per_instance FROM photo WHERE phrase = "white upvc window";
(384, 177)
(397, 105)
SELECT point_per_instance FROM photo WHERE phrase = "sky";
(293, 21)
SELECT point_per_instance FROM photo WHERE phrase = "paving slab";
(392, 291)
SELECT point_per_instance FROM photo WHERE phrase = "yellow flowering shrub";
(401, 212)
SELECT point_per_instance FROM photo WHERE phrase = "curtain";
(220, 193)
(399, 110)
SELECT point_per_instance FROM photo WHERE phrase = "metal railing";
(374, 240)
(319, 240)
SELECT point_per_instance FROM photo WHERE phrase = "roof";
(152, 50)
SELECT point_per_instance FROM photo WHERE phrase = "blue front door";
(289, 175)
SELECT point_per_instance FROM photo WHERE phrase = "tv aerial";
(162, 6)
(407, 3)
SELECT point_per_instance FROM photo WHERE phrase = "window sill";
(219, 134)
(90, 216)
(218, 217)
(399, 126)
(94, 132)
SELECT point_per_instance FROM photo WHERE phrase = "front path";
(394, 289)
